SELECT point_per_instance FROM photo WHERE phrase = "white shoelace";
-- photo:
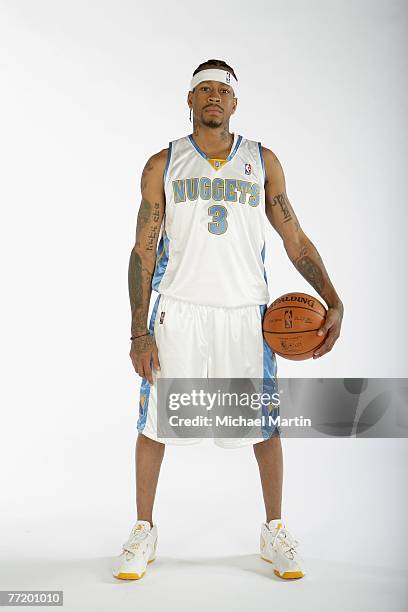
(287, 541)
(137, 537)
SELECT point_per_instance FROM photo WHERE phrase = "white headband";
(215, 74)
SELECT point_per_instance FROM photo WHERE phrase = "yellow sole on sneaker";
(131, 576)
(286, 575)
(123, 576)
(289, 575)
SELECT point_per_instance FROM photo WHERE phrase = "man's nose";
(214, 98)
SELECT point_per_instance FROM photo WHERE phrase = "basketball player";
(212, 190)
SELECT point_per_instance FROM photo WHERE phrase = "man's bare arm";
(301, 251)
(143, 260)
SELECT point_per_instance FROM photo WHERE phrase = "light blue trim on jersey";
(162, 259)
(269, 385)
(263, 259)
(167, 163)
(231, 155)
(197, 148)
(145, 385)
(262, 161)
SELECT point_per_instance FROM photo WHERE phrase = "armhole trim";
(262, 161)
(167, 163)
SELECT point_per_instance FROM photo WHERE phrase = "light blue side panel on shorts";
(145, 385)
(162, 259)
(270, 385)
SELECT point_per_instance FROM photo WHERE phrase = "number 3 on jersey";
(219, 223)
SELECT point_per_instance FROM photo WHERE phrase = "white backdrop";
(91, 89)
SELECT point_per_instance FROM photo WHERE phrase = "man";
(212, 189)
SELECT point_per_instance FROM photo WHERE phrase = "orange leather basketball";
(291, 323)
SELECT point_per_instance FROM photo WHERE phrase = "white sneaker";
(278, 547)
(137, 552)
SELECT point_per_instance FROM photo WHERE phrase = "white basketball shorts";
(196, 341)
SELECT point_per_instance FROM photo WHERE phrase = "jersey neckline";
(235, 145)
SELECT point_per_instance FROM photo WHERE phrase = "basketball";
(291, 323)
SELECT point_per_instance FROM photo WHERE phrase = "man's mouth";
(213, 109)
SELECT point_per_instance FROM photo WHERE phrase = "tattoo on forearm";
(309, 263)
(144, 213)
(139, 277)
(139, 282)
(312, 273)
(283, 202)
(135, 279)
(309, 269)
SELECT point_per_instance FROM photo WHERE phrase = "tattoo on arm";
(308, 262)
(283, 202)
(139, 275)
(154, 227)
(145, 175)
(312, 273)
(138, 278)
(310, 269)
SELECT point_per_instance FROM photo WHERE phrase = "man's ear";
(234, 108)
(190, 99)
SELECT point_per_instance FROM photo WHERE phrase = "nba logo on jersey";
(248, 169)
(162, 317)
(216, 164)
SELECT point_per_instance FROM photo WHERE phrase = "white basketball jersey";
(212, 247)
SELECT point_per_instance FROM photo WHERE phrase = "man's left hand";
(331, 327)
